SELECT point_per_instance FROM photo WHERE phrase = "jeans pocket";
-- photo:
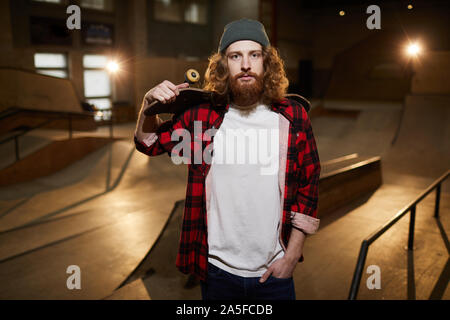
(280, 279)
(214, 271)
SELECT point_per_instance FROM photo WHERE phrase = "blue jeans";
(222, 285)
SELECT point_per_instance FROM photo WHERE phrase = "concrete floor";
(105, 212)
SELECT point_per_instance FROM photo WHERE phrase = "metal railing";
(374, 236)
(56, 115)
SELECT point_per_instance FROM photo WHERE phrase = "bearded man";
(244, 226)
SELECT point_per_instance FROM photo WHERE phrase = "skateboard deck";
(188, 98)
(191, 97)
(300, 99)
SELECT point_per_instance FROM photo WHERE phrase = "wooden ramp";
(345, 179)
(28, 99)
(30, 90)
(50, 159)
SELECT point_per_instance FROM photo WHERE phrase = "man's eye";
(234, 56)
(256, 55)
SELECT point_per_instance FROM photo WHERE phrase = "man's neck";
(246, 110)
(249, 107)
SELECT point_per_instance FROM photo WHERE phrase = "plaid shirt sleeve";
(304, 208)
(161, 141)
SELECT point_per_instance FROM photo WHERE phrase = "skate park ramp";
(421, 151)
(422, 148)
(49, 158)
(30, 90)
(368, 134)
(29, 99)
(102, 214)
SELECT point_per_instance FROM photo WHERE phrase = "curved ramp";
(369, 134)
(421, 152)
(50, 158)
(102, 226)
(30, 99)
(30, 90)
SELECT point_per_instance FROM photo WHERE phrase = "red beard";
(246, 94)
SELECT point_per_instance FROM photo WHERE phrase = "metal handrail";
(411, 207)
(14, 110)
(60, 115)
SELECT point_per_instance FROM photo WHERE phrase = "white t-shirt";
(243, 208)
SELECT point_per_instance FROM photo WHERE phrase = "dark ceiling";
(317, 4)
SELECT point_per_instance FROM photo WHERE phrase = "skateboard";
(188, 98)
(191, 97)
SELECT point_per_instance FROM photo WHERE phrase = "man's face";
(245, 56)
(246, 68)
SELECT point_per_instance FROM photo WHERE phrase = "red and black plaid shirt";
(301, 177)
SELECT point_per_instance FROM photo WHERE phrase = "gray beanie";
(244, 29)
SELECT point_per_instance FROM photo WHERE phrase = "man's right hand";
(165, 92)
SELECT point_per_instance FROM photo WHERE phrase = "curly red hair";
(275, 82)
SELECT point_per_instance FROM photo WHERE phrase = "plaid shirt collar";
(283, 107)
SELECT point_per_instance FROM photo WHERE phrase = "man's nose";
(245, 66)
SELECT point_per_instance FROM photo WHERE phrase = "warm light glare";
(410, 6)
(112, 66)
(342, 13)
(413, 49)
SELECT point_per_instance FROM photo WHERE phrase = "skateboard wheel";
(192, 76)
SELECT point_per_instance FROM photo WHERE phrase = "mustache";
(246, 74)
